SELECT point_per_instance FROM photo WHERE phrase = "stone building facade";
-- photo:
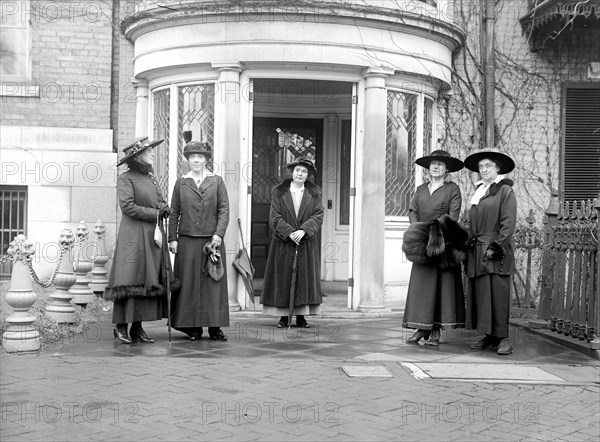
(366, 87)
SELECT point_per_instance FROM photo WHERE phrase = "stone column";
(227, 160)
(141, 107)
(81, 291)
(60, 308)
(370, 171)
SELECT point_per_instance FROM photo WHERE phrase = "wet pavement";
(353, 378)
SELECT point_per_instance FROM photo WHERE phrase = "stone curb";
(571, 343)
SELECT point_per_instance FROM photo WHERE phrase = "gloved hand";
(217, 241)
(165, 211)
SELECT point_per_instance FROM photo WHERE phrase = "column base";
(234, 307)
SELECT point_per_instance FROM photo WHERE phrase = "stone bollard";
(60, 308)
(20, 334)
(81, 291)
(100, 258)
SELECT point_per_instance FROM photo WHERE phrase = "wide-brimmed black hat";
(136, 147)
(199, 147)
(505, 162)
(452, 164)
(305, 161)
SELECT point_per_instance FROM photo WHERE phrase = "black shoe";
(420, 334)
(138, 334)
(302, 324)
(283, 322)
(486, 342)
(216, 334)
(194, 336)
(120, 334)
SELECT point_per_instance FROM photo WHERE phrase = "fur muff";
(414, 243)
(440, 242)
(213, 265)
(496, 250)
(122, 292)
(436, 244)
(456, 239)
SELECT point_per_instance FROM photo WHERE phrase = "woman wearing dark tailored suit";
(296, 216)
(198, 224)
(490, 258)
(435, 297)
(134, 283)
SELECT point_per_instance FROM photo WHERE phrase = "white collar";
(189, 175)
(294, 189)
(482, 188)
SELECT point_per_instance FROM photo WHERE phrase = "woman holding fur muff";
(196, 229)
(490, 258)
(434, 243)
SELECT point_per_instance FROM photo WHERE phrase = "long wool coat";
(435, 294)
(283, 221)
(136, 262)
(492, 227)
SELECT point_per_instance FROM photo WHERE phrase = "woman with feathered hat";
(433, 243)
(134, 283)
(490, 258)
(196, 230)
(296, 217)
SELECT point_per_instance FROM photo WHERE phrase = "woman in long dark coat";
(133, 283)
(296, 217)
(199, 220)
(490, 258)
(435, 297)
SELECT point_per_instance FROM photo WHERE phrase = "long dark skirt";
(435, 298)
(488, 304)
(139, 309)
(201, 302)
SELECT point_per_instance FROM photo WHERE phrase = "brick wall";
(71, 44)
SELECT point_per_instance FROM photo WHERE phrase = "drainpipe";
(489, 79)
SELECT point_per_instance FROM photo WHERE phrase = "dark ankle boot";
(138, 334)
(120, 333)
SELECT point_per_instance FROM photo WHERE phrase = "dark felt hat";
(136, 147)
(305, 161)
(452, 164)
(506, 163)
(199, 147)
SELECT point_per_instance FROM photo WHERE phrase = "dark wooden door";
(277, 141)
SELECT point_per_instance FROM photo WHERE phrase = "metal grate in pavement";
(366, 371)
(493, 373)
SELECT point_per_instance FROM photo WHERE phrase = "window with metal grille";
(400, 152)
(13, 200)
(581, 142)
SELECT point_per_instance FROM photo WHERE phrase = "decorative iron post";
(20, 335)
(81, 291)
(60, 308)
(99, 279)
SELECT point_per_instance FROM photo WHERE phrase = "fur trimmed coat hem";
(123, 292)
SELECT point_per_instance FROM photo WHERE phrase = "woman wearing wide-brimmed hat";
(433, 243)
(134, 283)
(296, 217)
(196, 231)
(490, 258)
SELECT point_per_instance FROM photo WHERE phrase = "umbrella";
(244, 266)
(166, 272)
(293, 286)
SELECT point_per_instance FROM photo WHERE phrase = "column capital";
(377, 72)
(139, 82)
(234, 66)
